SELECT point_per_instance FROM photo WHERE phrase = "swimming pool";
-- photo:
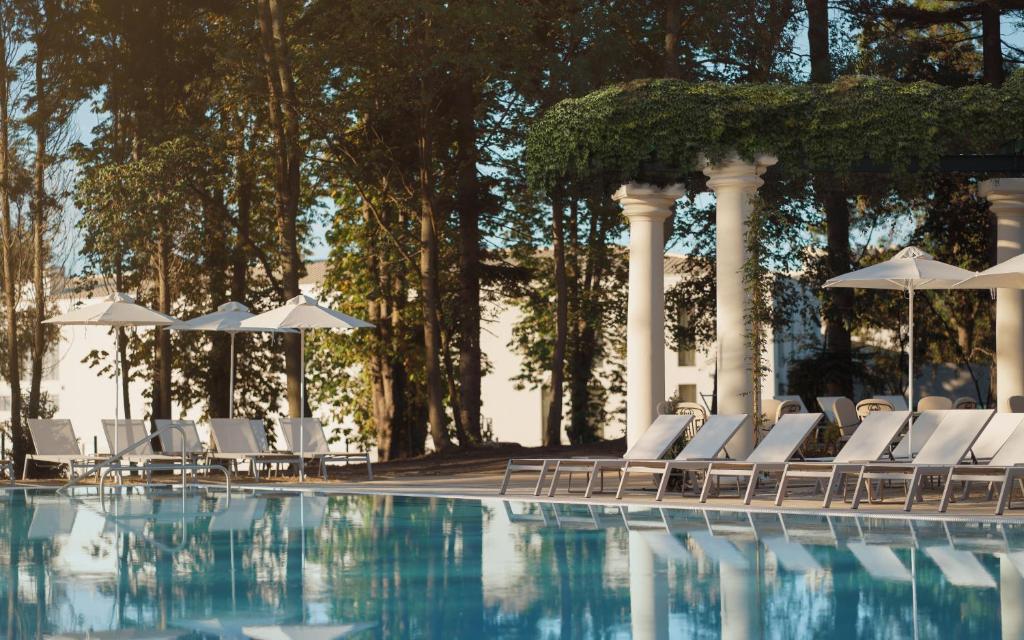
(160, 565)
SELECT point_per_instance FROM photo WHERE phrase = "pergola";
(643, 139)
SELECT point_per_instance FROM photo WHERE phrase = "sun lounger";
(128, 433)
(869, 442)
(171, 442)
(947, 446)
(55, 443)
(996, 433)
(706, 445)
(652, 444)
(772, 454)
(999, 470)
(235, 441)
(316, 447)
(920, 431)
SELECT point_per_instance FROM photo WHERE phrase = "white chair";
(846, 418)
(315, 444)
(171, 441)
(934, 403)
(869, 405)
(965, 402)
(128, 433)
(55, 443)
(921, 430)
(1004, 467)
(234, 440)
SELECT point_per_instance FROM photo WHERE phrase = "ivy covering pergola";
(645, 137)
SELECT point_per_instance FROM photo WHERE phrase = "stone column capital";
(1006, 195)
(647, 201)
(738, 174)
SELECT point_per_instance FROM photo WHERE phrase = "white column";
(734, 182)
(646, 207)
(1006, 196)
(648, 591)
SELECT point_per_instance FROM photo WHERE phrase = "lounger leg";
(780, 495)
(622, 481)
(508, 476)
(830, 488)
(593, 478)
(751, 486)
(707, 484)
(662, 486)
(369, 468)
(859, 490)
(540, 479)
(24, 469)
(554, 480)
(912, 490)
(944, 501)
(1004, 495)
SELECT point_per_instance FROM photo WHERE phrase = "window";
(686, 393)
(686, 357)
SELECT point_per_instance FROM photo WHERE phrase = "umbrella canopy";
(304, 312)
(116, 310)
(227, 318)
(1005, 275)
(909, 270)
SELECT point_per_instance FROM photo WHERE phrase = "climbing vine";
(659, 131)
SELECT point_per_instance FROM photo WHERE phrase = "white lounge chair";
(129, 432)
(921, 429)
(1002, 468)
(171, 442)
(315, 445)
(235, 441)
(705, 446)
(653, 444)
(995, 435)
(869, 442)
(55, 443)
(947, 446)
(772, 454)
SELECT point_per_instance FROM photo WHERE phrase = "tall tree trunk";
(431, 295)
(39, 257)
(12, 278)
(991, 44)
(162, 390)
(283, 118)
(673, 21)
(469, 204)
(122, 348)
(838, 303)
(553, 425)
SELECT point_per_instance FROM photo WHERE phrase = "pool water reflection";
(160, 565)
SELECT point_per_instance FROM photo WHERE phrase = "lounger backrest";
(312, 435)
(996, 432)
(53, 437)
(1012, 451)
(658, 438)
(785, 437)
(234, 435)
(128, 432)
(922, 429)
(954, 436)
(259, 431)
(170, 439)
(712, 437)
(873, 436)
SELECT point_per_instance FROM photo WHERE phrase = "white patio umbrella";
(303, 313)
(227, 318)
(118, 310)
(1005, 275)
(909, 270)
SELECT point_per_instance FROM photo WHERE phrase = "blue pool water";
(159, 565)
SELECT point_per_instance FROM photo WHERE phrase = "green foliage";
(659, 131)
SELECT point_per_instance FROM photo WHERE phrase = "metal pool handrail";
(117, 457)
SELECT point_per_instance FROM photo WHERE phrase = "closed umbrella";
(117, 310)
(909, 270)
(227, 318)
(304, 313)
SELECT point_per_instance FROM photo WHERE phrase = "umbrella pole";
(117, 383)
(910, 376)
(302, 403)
(231, 380)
